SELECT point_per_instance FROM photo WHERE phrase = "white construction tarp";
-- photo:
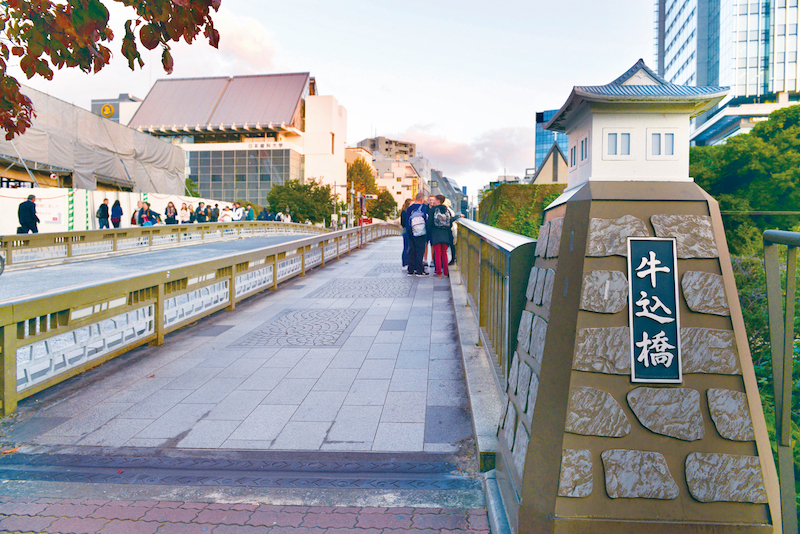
(64, 135)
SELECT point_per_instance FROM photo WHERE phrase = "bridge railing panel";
(48, 247)
(51, 337)
(495, 265)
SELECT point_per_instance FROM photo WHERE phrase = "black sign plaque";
(653, 307)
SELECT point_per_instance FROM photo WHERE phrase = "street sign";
(653, 310)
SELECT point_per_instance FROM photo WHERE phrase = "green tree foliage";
(47, 34)
(191, 188)
(384, 207)
(311, 201)
(759, 171)
(518, 208)
(359, 174)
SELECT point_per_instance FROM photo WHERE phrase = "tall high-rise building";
(545, 138)
(747, 45)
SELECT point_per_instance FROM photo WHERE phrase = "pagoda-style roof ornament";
(639, 85)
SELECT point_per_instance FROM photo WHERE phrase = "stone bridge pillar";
(631, 400)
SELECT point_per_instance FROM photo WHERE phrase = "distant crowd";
(146, 216)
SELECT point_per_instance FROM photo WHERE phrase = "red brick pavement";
(74, 516)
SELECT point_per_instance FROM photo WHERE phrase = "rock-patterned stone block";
(506, 400)
(554, 238)
(708, 350)
(603, 350)
(594, 412)
(731, 414)
(714, 477)
(532, 283)
(634, 474)
(547, 291)
(509, 426)
(533, 392)
(604, 291)
(705, 293)
(673, 412)
(524, 331)
(538, 334)
(513, 374)
(520, 449)
(538, 292)
(523, 385)
(694, 236)
(575, 479)
(609, 237)
(541, 241)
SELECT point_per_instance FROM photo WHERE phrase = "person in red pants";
(440, 225)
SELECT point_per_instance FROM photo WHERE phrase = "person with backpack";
(102, 214)
(417, 217)
(439, 228)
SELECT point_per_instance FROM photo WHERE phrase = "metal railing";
(781, 333)
(495, 265)
(31, 249)
(50, 337)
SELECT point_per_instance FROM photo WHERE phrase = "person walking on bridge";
(27, 216)
(103, 215)
(116, 214)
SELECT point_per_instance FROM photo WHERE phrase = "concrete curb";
(498, 520)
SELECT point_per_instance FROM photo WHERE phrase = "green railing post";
(781, 333)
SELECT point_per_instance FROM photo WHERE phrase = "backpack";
(417, 223)
(441, 219)
(97, 215)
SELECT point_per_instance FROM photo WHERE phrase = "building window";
(661, 144)
(572, 158)
(618, 144)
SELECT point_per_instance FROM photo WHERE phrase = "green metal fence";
(781, 332)
(48, 338)
(495, 265)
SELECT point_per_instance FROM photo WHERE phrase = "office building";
(750, 47)
(389, 148)
(545, 139)
(400, 178)
(246, 133)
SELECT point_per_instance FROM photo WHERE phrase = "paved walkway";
(21, 281)
(354, 357)
(149, 517)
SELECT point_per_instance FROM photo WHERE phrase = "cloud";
(246, 40)
(511, 148)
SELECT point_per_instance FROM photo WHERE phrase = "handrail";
(495, 265)
(45, 339)
(781, 333)
(33, 249)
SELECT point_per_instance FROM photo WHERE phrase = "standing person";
(136, 218)
(201, 215)
(453, 217)
(213, 213)
(238, 212)
(27, 216)
(439, 229)
(144, 207)
(287, 217)
(263, 216)
(183, 215)
(226, 215)
(116, 214)
(102, 214)
(404, 224)
(171, 214)
(417, 215)
(429, 204)
(146, 215)
(190, 207)
(251, 215)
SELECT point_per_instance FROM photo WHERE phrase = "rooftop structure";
(245, 133)
(634, 128)
(553, 169)
(381, 147)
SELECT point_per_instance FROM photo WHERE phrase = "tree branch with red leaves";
(47, 35)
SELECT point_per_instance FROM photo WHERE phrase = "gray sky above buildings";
(463, 79)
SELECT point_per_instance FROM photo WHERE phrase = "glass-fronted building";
(242, 174)
(546, 138)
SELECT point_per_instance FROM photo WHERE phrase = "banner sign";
(653, 308)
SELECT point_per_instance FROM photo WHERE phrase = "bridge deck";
(354, 357)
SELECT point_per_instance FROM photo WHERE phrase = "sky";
(463, 80)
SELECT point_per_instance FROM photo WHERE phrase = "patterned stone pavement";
(21, 514)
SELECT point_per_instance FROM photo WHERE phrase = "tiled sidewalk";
(354, 357)
(150, 517)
